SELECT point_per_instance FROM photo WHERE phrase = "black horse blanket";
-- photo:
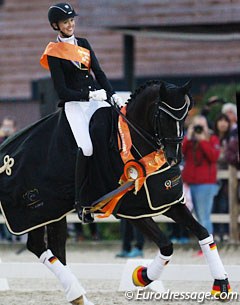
(40, 187)
(37, 174)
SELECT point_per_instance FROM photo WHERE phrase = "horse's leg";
(56, 239)
(180, 214)
(35, 241)
(53, 257)
(143, 276)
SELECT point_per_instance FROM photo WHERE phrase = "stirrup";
(221, 289)
(139, 277)
(84, 214)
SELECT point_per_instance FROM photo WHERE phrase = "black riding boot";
(81, 179)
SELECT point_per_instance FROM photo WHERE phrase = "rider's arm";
(98, 72)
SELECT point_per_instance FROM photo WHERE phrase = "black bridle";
(158, 128)
(158, 141)
(145, 135)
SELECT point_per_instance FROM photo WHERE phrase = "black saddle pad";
(161, 190)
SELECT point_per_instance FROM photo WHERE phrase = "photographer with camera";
(201, 151)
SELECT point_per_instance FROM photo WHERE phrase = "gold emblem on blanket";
(7, 165)
(168, 184)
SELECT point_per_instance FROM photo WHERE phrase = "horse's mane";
(141, 88)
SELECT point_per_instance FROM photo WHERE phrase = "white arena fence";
(73, 218)
(110, 271)
(120, 272)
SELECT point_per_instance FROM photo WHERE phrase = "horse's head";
(171, 110)
(160, 108)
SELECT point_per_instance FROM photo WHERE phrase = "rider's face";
(67, 26)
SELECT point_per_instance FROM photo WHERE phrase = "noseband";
(178, 114)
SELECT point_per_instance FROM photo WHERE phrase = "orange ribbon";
(133, 170)
(110, 206)
(66, 51)
(150, 162)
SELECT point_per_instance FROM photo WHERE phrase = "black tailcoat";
(74, 84)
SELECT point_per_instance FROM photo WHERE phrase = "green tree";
(226, 93)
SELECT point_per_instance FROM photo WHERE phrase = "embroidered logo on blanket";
(32, 198)
(172, 182)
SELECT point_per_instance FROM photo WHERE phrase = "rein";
(148, 138)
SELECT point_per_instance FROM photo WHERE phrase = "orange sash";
(66, 51)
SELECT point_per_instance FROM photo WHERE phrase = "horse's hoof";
(82, 300)
(221, 290)
(78, 301)
(139, 277)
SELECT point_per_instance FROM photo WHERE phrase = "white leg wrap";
(156, 267)
(73, 289)
(213, 259)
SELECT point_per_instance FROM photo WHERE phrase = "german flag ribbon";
(66, 51)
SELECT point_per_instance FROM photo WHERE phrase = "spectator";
(201, 151)
(8, 128)
(207, 108)
(232, 150)
(230, 110)
(222, 129)
(221, 204)
(129, 232)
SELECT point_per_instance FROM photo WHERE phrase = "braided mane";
(141, 88)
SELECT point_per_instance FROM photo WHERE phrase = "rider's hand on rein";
(116, 99)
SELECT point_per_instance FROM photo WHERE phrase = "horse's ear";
(186, 87)
(163, 92)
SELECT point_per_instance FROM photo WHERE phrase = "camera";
(198, 129)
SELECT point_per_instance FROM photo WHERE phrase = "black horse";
(38, 181)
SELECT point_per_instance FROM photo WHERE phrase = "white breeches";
(79, 115)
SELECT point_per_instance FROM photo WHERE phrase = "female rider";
(76, 88)
(70, 61)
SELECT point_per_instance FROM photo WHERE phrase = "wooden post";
(129, 62)
(233, 203)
